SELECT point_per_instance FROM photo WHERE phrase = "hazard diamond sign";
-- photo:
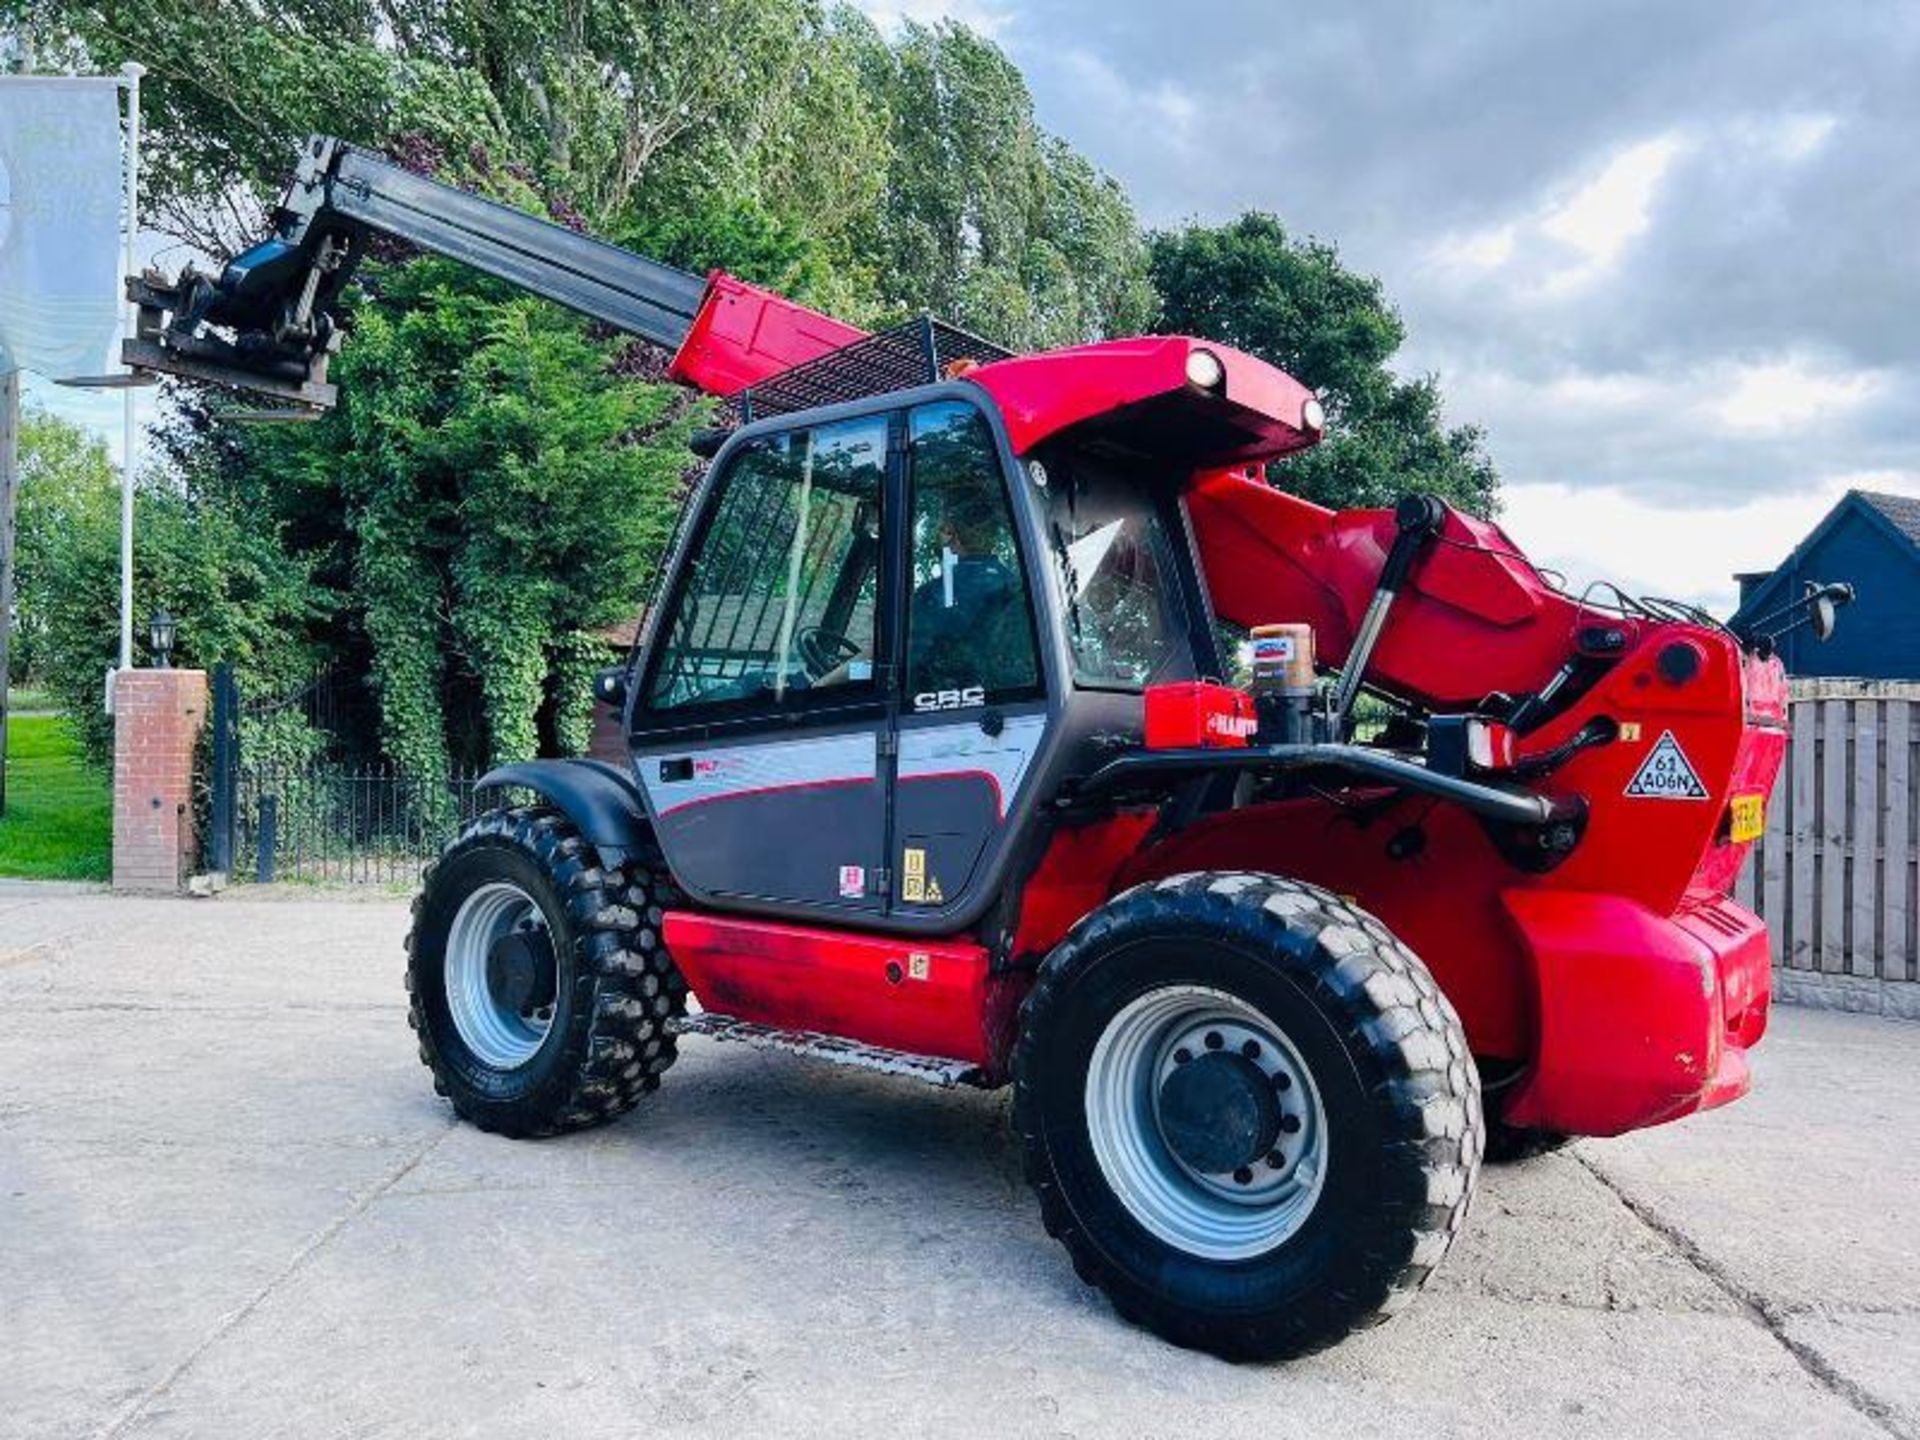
(1667, 774)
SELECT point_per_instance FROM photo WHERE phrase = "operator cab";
(886, 639)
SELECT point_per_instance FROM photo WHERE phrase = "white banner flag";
(60, 193)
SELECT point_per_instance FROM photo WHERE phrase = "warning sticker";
(1666, 774)
(853, 882)
(917, 886)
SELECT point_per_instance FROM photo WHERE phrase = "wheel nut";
(1290, 1124)
(1243, 1176)
(1182, 1055)
(1214, 1042)
(1251, 1049)
(1275, 1160)
(1283, 1081)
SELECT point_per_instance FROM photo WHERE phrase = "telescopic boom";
(267, 322)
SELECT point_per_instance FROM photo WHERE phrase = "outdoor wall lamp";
(160, 630)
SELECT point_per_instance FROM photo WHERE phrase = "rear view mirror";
(610, 686)
(1822, 617)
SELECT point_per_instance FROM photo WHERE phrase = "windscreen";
(1116, 569)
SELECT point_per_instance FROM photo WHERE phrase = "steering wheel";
(823, 650)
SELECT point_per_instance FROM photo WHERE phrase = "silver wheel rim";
(1220, 1216)
(499, 1036)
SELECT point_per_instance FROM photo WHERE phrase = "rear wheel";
(541, 990)
(1248, 1112)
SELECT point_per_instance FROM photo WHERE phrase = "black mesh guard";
(917, 353)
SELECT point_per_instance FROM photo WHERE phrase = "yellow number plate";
(1747, 819)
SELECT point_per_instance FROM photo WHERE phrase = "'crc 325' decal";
(950, 699)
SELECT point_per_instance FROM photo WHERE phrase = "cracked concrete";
(231, 1205)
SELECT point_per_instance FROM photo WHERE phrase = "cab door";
(972, 698)
(760, 730)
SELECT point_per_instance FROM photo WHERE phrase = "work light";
(1205, 370)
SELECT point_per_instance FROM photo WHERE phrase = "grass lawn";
(59, 820)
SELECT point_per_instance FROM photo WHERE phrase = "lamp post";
(160, 633)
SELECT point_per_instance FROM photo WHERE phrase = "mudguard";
(1642, 1018)
(599, 798)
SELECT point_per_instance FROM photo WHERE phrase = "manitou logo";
(1231, 727)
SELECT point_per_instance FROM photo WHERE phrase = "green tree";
(490, 492)
(67, 485)
(237, 594)
(986, 218)
(587, 98)
(1291, 302)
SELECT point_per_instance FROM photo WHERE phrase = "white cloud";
(1793, 394)
(1686, 552)
(1601, 217)
(1795, 137)
(1576, 234)
(1802, 394)
(1478, 250)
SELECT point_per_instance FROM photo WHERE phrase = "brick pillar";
(157, 715)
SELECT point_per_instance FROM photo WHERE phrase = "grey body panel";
(955, 787)
(782, 818)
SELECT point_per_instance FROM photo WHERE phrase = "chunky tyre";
(540, 989)
(1249, 1114)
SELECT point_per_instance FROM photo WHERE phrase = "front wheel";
(540, 989)
(1248, 1112)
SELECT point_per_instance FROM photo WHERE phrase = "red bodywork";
(926, 997)
(1199, 712)
(1624, 984)
(743, 334)
(1258, 412)
(1625, 979)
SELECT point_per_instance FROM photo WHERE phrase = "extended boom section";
(268, 323)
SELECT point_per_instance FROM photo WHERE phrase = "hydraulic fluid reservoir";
(1283, 682)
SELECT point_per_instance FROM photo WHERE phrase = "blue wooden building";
(1871, 541)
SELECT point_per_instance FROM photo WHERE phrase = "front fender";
(600, 799)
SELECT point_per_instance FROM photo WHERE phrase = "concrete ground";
(230, 1205)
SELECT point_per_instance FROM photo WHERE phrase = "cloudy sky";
(1667, 254)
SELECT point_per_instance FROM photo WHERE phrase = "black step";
(933, 1069)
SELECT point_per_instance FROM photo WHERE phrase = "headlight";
(1312, 417)
(1205, 370)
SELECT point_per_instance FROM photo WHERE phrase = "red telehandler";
(936, 770)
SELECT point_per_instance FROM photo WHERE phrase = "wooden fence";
(1834, 875)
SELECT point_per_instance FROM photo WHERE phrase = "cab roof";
(1143, 396)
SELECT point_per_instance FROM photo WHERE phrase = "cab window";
(779, 605)
(1115, 567)
(970, 638)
